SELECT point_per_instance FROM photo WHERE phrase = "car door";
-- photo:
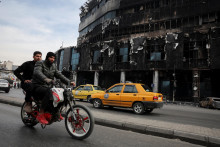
(113, 95)
(78, 92)
(86, 91)
(129, 95)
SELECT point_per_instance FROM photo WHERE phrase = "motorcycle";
(79, 121)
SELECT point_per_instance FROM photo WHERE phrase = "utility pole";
(174, 83)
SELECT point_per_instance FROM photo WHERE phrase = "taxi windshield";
(146, 88)
(97, 88)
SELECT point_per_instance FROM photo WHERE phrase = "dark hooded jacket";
(43, 70)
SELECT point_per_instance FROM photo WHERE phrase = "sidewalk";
(194, 134)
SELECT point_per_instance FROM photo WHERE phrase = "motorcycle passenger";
(27, 69)
(44, 73)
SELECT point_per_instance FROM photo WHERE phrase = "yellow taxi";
(132, 95)
(83, 92)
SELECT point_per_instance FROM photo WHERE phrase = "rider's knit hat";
(50, 54)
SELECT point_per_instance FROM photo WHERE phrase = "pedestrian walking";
(14, 85)
(18, 85)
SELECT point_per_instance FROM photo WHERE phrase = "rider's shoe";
(28, 108)
(61, 117)
(42, 119)
(58, 116)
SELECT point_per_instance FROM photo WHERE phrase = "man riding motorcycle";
(43, 76)
(25, 73)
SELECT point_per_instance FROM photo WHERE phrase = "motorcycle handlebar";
(58, 82)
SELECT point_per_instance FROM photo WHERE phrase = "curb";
(162, 132)
(150, 130)
(11, 103)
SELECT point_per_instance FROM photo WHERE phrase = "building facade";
(170, 45)
(6, 65)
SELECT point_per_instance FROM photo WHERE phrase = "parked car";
(132, 95)
(4, 85)
(210, 102)
(83, 92)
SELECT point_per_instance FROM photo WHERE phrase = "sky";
(37, 25)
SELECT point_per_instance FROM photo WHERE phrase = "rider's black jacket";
(43, 71)
(27, 68)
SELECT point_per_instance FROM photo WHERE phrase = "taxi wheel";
(97, 103)
(138, 108)
(89, 98)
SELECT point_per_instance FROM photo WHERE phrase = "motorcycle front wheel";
(82, 127)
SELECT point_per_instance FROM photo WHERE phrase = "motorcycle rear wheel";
(83, 126)
(27, 118)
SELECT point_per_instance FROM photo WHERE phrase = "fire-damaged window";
(74, 59)
(196, 52)
(97, 57)
(61, 60)
(123, 54)
(107, 16)
(102, 3)
(155, 56)
(155, 51)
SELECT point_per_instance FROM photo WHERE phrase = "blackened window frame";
(74, 56)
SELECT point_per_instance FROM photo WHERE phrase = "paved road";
(188, 115)
(14, 133)
(16, 93)
(174, 121)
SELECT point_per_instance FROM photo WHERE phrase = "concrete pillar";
(75, 77)
(122, 79)
(196, 85)
(155, 81)
(96, 78)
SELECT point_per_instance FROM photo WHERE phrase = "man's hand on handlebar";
(73, 83)
(48, 81)
(27, 81)
(53, 82)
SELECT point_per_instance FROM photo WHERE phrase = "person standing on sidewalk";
(27, 69)
(18, 85)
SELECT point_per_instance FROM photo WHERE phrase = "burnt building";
(170, 45)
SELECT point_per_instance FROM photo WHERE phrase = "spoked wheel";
(28, 118)
(82, 127)
(138, 108)
(97, 103)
